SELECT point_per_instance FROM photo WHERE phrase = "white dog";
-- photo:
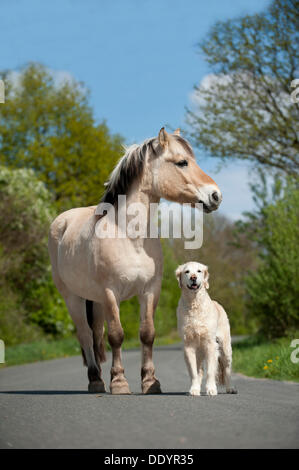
(204, 328)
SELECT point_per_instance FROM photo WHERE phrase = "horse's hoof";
(151, 388)
(96, 387)
(120, 388)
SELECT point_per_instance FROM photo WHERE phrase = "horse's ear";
(206, 278)
(163, 137)
(177, 131)
(178, 273)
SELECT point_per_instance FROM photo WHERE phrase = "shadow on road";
(85, 392)
(45, 392)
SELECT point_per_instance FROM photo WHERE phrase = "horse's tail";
(98, 346)
(102, 351)
(89, 312)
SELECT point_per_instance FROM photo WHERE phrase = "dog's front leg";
(211, 361)
(190, 358)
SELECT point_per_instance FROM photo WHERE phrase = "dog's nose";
(193, 277)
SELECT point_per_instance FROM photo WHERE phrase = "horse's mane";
(129, 167)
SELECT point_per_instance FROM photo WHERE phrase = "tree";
(272, 289)
(244, 110)
(50, 128)
(27, 292)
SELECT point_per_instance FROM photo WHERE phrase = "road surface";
(46, 405)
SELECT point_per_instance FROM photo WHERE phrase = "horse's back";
(78, 216)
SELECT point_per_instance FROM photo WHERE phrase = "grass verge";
(43, 350)
(257, 357)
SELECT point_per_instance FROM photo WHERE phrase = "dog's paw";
(194, 391)
(232, 390)
(211, 391)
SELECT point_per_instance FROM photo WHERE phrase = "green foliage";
(273, 289)
(14, 328)
(51, 129)
(26, 209)
(244, 110)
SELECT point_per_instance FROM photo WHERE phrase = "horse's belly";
(119, 268)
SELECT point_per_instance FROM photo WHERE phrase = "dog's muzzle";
(193, 285)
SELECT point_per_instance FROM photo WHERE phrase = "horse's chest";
(141, 269)
(128, 266)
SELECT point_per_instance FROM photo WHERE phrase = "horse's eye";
(182, 163)
(187, 272)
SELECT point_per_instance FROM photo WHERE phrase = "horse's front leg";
(118, 384)
(148, 303)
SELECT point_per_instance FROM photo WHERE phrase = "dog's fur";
(204, 328)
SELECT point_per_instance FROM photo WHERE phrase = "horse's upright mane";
(129, 167)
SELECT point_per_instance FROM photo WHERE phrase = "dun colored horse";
(95, 274)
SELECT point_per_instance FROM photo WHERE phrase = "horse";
(94, 275)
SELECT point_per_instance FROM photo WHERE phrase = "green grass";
(46, 349)
(257, 357)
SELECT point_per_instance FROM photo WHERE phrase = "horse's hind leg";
(77, 308)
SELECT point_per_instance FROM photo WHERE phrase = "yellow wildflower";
(266, 367)
(269, 360)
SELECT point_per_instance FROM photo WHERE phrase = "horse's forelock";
(186, 146)
(129, 167)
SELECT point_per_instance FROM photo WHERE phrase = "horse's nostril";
(215, 196)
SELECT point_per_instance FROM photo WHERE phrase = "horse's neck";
(137, 199)
(140, 193)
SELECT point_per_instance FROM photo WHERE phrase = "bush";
(14, 328)
(26, 209)
(273, 290)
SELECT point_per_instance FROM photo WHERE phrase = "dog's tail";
(223, 363)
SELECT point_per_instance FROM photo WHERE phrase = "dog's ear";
(206, 278)
(178, 273)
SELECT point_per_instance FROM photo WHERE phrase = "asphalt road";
(46, 405)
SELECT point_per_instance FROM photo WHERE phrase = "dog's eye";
(187, 272)
(199, 271)
(182, 163)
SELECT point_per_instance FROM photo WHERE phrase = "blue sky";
(138, 58)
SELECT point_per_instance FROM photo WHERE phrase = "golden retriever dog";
(204, 327)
